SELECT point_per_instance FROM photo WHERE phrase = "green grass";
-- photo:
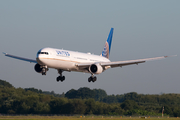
(29, 117)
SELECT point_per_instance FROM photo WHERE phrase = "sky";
(142, 29)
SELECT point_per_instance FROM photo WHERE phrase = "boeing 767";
(65, 60)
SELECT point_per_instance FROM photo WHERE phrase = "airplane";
(66, 60)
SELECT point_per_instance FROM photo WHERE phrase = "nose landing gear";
(44, 70)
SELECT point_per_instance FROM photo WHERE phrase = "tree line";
(84, 101)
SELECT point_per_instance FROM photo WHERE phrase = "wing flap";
(20, 58)
(112, 65)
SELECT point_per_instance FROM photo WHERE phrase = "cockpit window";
(43, 53)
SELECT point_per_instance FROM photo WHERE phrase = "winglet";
(4, 53)
(170, 56)
(107, 47)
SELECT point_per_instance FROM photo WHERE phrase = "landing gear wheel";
(89, 79)
(93, 79)
(57, 79)
(63, 78)
(44, 71)
(60, 78)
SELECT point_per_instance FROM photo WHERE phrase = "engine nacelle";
(96, 68)
(38, 68)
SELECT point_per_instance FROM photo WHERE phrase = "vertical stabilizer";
(107, 47)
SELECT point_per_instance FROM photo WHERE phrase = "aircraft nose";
(38, 58)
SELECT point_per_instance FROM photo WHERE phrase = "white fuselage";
(65, 59)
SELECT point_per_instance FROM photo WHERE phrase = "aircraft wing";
(130, 62)
(122, 63)
(20, 58)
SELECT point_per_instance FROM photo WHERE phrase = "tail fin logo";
(105, 52)
(107, 47)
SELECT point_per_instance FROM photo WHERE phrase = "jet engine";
(38, 68)
(96, 68)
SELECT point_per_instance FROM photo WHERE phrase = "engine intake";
(96, 68)
(38, 68)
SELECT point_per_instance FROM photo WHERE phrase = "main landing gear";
(92, 78)
(60, 78)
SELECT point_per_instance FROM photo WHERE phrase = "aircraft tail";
(107, 47)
